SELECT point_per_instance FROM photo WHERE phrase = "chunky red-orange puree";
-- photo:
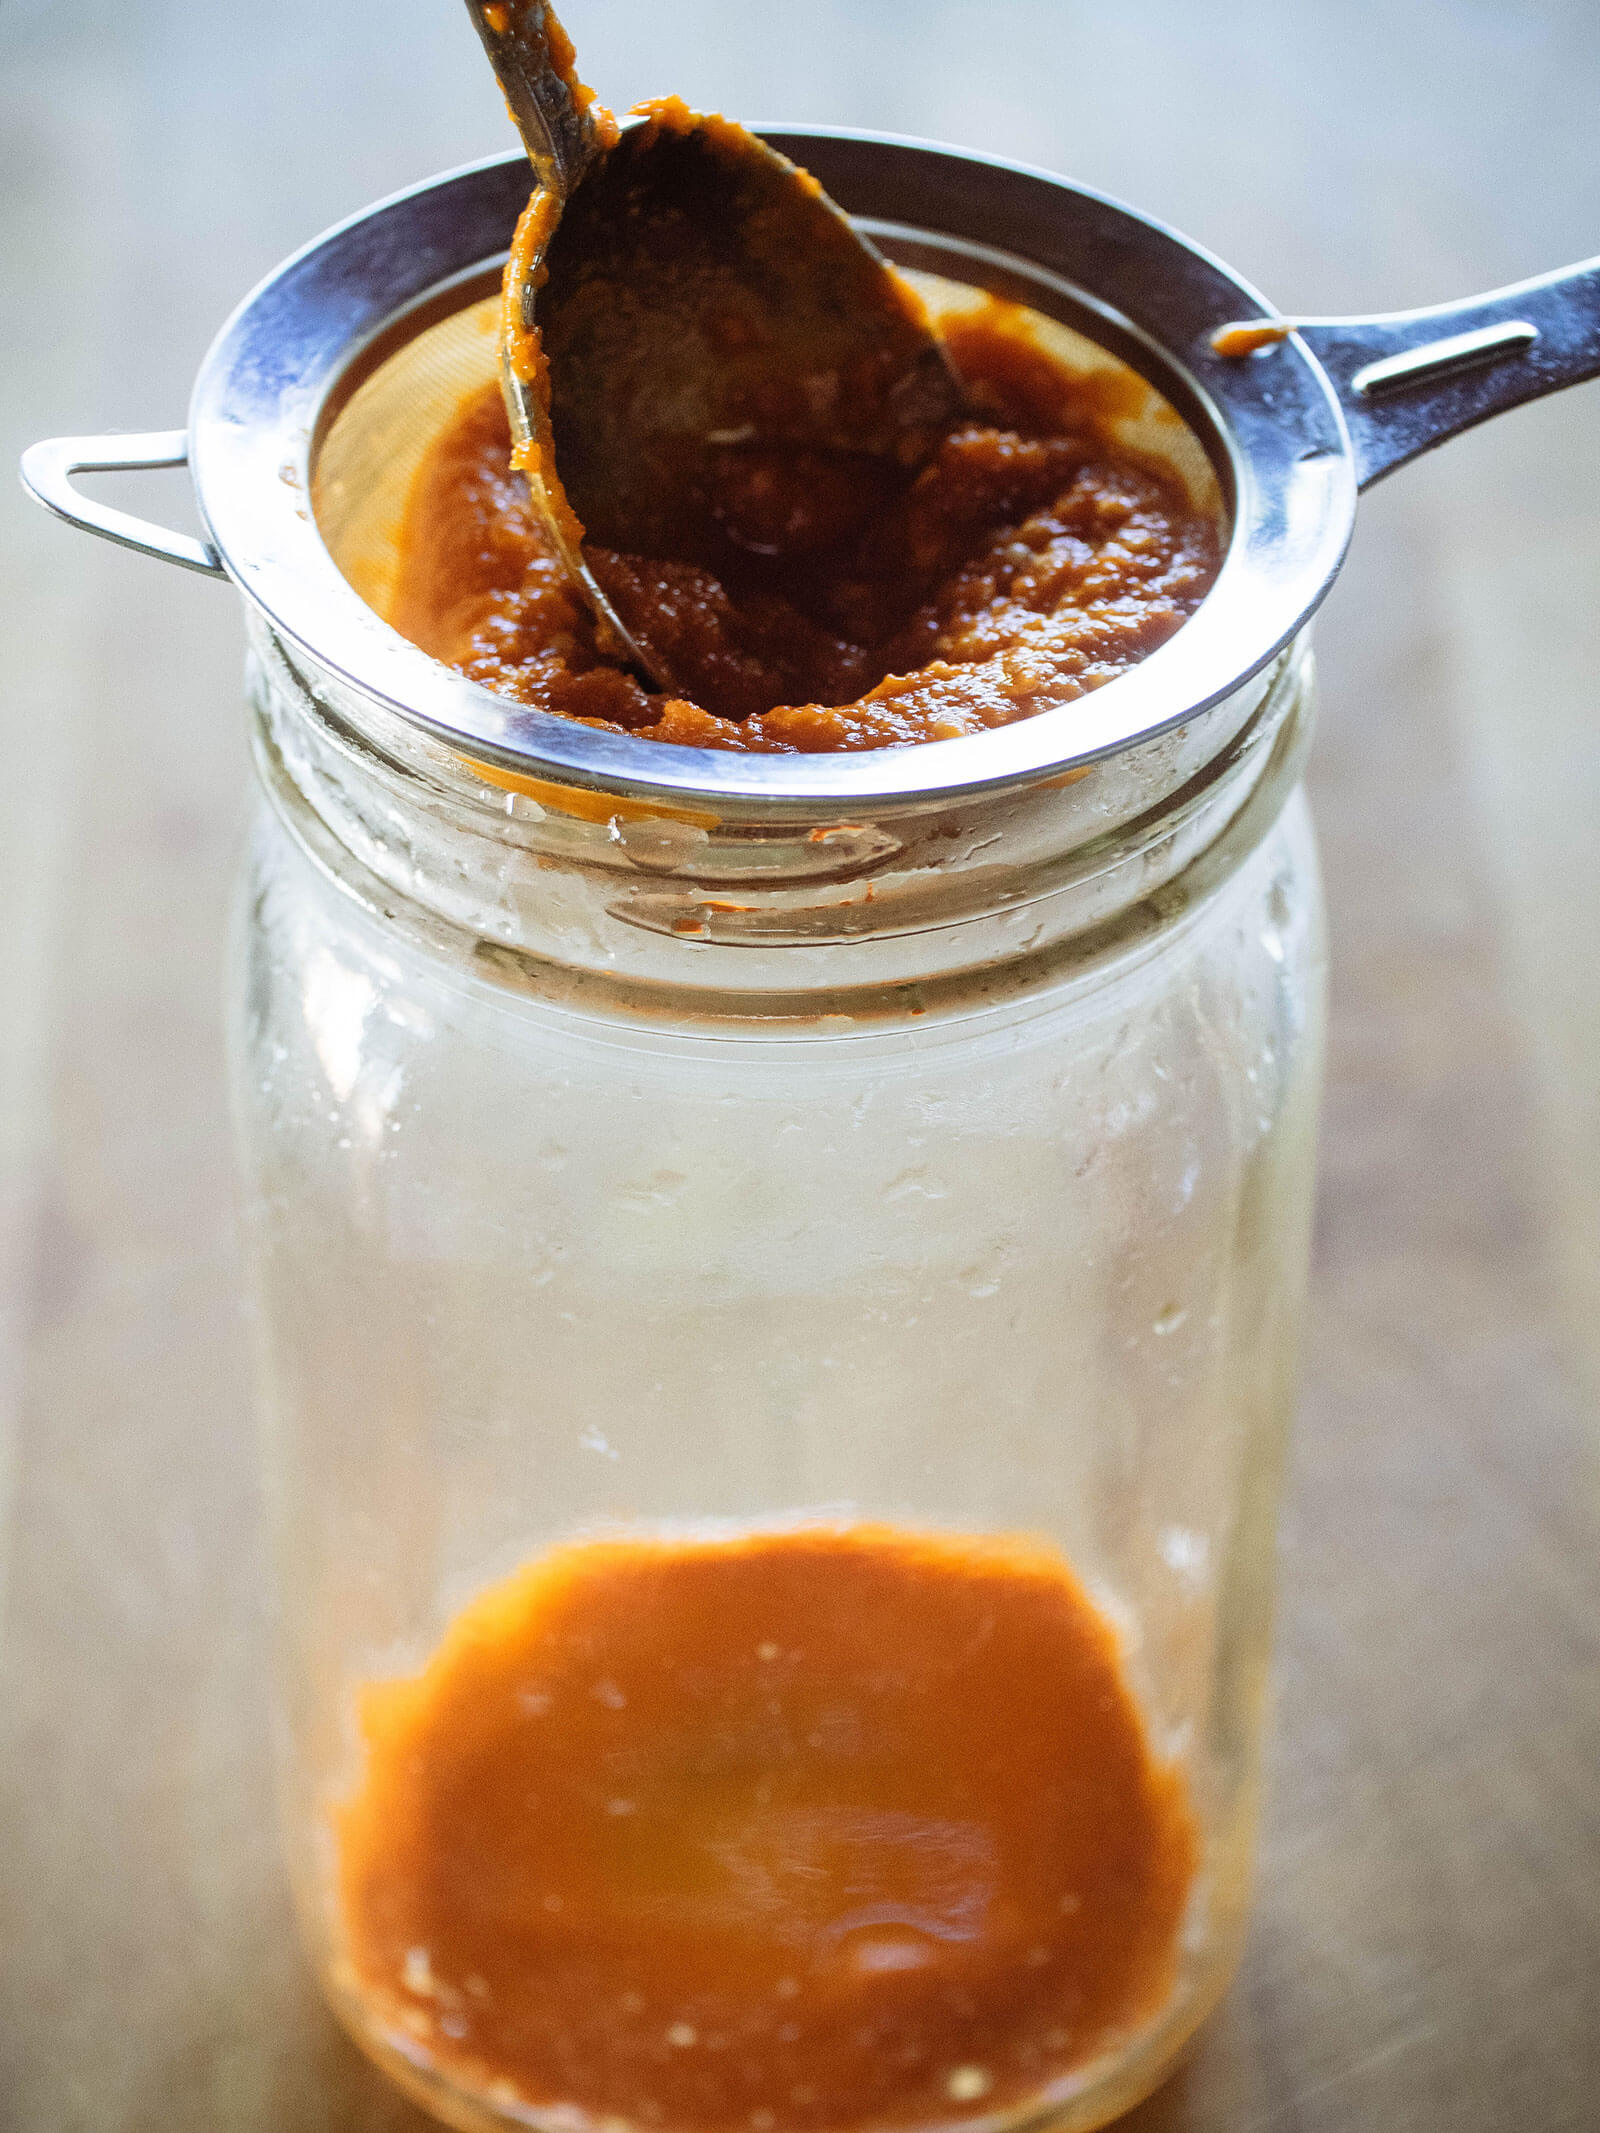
(839, 605)
(823, 1828)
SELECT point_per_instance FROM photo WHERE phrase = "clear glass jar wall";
(991, 1221)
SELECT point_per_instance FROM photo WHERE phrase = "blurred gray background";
(1426, 1953)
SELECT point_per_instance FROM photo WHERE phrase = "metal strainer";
(322, 390)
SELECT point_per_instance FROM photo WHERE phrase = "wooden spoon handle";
(562, 127)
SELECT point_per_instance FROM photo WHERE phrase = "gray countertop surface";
(1426, 1947)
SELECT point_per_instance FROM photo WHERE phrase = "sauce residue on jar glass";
(837, 604)
(816, 1828)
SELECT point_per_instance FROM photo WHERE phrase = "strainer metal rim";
(1275, 429)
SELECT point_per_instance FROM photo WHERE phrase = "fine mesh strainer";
(321, 393)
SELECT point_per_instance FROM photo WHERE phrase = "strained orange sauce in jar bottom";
(825, 1827)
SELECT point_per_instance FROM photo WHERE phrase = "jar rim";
(614, 916)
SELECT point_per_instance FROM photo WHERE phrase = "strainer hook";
(48, 468)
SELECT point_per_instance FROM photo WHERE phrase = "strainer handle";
(1410, 379)
(48, 468)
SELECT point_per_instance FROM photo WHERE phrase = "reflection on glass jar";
(778, 1342)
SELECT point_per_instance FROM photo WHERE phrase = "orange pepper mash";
(836, 603)
(828, 1827)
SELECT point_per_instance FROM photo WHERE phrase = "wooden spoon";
(687, 318)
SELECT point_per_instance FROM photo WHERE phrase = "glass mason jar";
(622, 1170)
(780, 1277)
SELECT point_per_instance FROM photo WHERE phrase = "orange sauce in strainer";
(823, 1828)
(840, 605)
